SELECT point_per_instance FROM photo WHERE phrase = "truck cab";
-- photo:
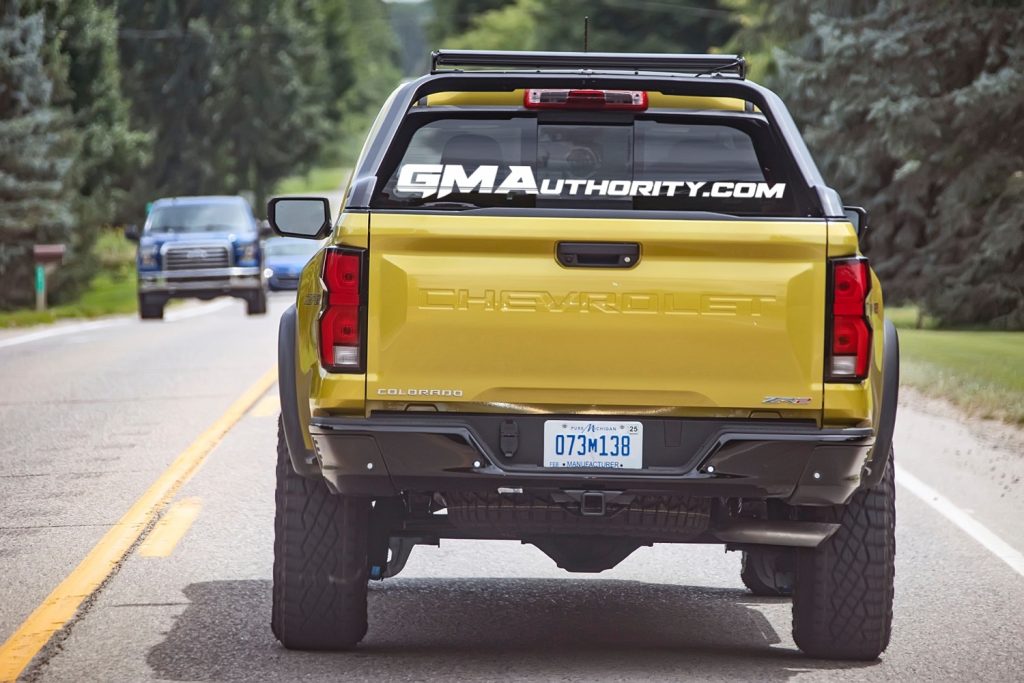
(202, 248)
(591, 302)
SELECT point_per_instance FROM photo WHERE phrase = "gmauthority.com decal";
(441, 180)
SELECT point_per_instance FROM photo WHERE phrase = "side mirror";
(303, 217)
(858, 216)
(265, 229)
(131, 233)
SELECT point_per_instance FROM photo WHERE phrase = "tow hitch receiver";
(592, 503)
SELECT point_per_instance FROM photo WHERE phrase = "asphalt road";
(91, 417)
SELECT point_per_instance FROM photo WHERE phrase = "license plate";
(580, 443)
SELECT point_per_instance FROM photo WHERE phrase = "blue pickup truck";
(201, 248)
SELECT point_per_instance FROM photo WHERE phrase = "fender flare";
(874, 468)
(304, 461)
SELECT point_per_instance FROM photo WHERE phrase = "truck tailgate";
(475, 313)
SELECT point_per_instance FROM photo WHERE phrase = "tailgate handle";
(598, 254)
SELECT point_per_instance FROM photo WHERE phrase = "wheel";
(256, 302)
(320, 562)
(842, 603)
(150, 307)
(768, 573)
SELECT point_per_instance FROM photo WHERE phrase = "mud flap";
(303, 460)
(875, 466)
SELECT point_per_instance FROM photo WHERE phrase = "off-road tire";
(842, 603)
(256, 302)
(320, 562)
(151, 308)
(762, 572)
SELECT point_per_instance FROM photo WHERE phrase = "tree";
(360, 44)
(511, 27)
(230, 91)
(111, 152)
(635, 25)
(37, 148)
(268, 100)
(615, 25)
(239, 95)
(916, 110)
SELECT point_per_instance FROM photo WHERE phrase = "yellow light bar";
(656, 100)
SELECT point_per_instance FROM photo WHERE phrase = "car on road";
(202, 248)
(284, 258)
(590, 302)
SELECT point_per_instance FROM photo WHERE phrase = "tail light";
(343, 316)
(849, 337)
(548, 98)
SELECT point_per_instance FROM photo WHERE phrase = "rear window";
(645, 163)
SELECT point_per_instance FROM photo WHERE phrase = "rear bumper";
(207, 280)
(793, 461)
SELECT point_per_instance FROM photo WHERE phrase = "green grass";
(321, 179)
(910, 317)
(980, 371)
(111, 292)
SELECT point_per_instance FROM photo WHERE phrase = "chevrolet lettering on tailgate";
(602, 302)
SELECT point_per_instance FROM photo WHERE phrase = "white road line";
(972, 527)
(62, 330)
(196, 311)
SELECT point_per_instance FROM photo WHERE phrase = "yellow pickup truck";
(591, 302)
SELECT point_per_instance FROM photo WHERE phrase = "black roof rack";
(699, 65)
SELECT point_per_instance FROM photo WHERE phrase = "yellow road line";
(173, 524)
(62, 604)
(270, 406)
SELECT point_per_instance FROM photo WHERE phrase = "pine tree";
(37, 149)
(111, 152)
(917, 111)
